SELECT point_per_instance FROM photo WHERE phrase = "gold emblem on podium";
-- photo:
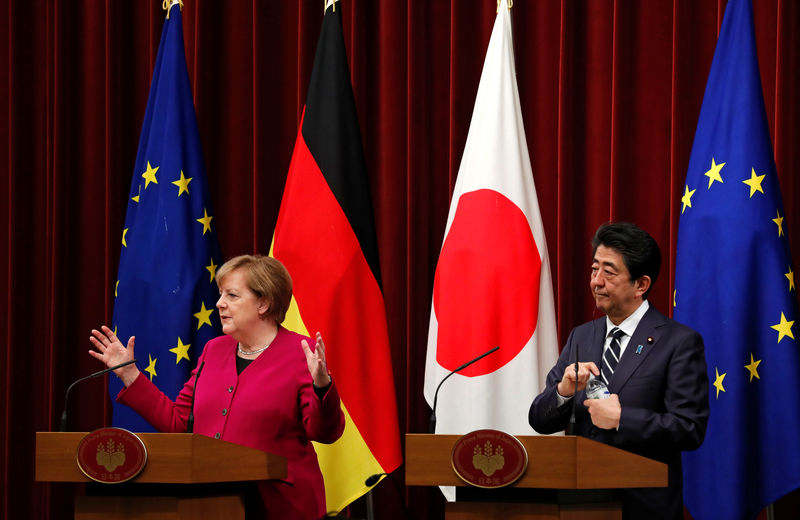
(111, 455)
(489, 458)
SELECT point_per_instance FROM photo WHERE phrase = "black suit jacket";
(663, 393)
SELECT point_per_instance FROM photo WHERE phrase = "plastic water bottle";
(596, 388)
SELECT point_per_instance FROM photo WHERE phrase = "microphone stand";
(572, 426)
(190, 420)
(63, 426)
(371, 481)
(432, 425)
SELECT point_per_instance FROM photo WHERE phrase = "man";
(654, 367)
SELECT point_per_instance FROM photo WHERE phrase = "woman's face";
(240, 310)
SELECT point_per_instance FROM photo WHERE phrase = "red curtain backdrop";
(610, 93)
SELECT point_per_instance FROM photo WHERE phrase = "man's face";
(615, 294)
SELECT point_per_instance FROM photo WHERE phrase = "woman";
(257, 388)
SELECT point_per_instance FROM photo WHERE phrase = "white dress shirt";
(628, 326)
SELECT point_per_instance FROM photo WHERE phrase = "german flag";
(325, 236)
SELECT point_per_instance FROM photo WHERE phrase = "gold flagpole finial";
(510, 5)
(167, 5)
(327, 4)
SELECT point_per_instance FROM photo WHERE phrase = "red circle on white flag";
(486, 287)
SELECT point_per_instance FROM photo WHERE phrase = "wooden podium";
(567, 463)
(180, 460)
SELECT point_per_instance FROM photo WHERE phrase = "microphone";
(373, 479)
(190, 420)
(432, 426)
(575, 395)
(91, 376)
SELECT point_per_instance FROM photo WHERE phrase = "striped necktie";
(611, 355)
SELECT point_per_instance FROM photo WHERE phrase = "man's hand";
(605, 412)
(566, 388)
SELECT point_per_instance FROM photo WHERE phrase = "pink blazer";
(271, 406)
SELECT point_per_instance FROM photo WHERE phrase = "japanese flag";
(492, 285)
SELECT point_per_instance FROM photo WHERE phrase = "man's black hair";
(639, 250)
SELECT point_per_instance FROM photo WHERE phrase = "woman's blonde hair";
(266, 277)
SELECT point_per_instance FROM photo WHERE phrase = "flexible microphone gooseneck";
(575, 395)
(90, 376)
(190, 420)
(432, 426)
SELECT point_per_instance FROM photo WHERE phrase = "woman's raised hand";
(112, 353)
(316, 362)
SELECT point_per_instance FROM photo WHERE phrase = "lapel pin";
(650, 340)
(639, 349)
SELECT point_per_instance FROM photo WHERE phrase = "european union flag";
(165, 292)
(735, 285)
